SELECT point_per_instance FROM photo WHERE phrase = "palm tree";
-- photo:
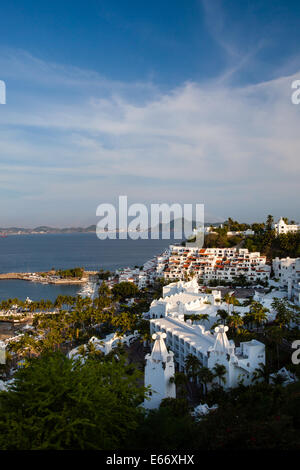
(245, 335)
(261, 372)
(257, 313)
(235, 321)
(143, 328)
(284, 313)
(124, 321)
(82, 350)
(192, 366)
(234, 302)
(278, 379)
(222, 314)
(220, 372)
(180, 380)
(42, 305)
(227, 298)
(205, 376)
(200, 317)
(231, 300)
(92, 351)
(59, 301)
(48, 305)
(248, 301)
(270, 222)
(276, 334)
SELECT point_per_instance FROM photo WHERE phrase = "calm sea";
(33, 253)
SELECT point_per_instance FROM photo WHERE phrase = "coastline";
(48, 278)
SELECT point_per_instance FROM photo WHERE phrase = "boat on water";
(88, 290)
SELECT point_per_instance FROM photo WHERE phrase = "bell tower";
(158, 372)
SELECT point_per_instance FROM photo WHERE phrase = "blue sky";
(162, 101)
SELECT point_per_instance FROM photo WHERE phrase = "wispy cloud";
(71, 139)
(239, 55)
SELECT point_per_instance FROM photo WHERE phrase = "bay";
(35, 253)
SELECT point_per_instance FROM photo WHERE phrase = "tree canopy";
(124, 290)
(55, 403)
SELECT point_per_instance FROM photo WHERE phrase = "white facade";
(2, 352)
(138, 277)
(215, 263)
(287, 377)
(287, 270)
(142, 280)
(184, 298)
(246, 233)
(181, 287)
(183, 339)
(144, 277)
(105, 345)
(159, 370)
(282, 228)
(128, 274)
(296, 293)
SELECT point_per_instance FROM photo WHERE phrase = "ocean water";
(23, 289)
(34, 253)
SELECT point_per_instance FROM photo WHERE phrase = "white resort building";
(183, 339)
(137, 276)
(105, 345)
(215, 263)
(159, 370)
(181, 298)
(282, 227)
(287, 270)
(146, 275)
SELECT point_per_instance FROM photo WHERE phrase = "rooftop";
(195, 335)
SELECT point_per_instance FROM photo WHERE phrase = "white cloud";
(235, 149)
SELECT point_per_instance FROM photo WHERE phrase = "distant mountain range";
(177, 225)
(174, 226)
(46, 229)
